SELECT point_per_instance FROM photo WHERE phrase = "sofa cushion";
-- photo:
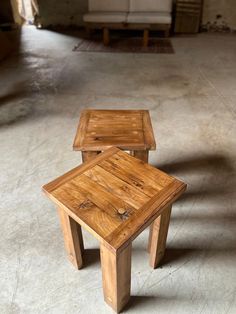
(149, 18)
(105, 17)
(109, 5)
(150, 5)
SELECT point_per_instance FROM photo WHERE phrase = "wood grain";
(116, 276)
(152, 177)
(125, 129)
(77, 171)
(72, 238)
(114, 196)
(131, 228)
(158, 236)
(86, 156)
(148, 131)
(130, 194)
(140, 154)
(85, 212)
(82, 128)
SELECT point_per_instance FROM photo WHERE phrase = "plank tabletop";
(114, 196)
(125, 129)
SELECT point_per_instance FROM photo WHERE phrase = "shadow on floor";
(186, 254)
(91, 257)
(215, 172)
(216, 184)
(10, 42)
(11, 97)
(195, 164)
(174, 255)
(135, 301)
(14, 105)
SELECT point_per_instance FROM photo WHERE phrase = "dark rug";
(135, 45)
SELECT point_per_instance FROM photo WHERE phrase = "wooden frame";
(132, 26)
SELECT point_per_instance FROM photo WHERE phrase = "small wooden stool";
(115, 197)
(129, 130)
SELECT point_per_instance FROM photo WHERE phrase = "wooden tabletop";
(115, 196)
(125, 129)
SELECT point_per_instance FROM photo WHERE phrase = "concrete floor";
(191, 97)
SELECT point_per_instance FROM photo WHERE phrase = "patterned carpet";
(129, 45)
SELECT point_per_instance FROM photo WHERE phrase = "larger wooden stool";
(129, 130)
(115, 197)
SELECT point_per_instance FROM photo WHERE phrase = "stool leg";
(167, 33)
(88, 32)
(73, 238)
(158, 236)
(116, 276)
(143, 155)
(145, 37)
(150, 237)
(106, 36)
(140, 154)
(86, 156)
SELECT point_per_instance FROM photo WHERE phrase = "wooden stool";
(129, 130)
(115, 197)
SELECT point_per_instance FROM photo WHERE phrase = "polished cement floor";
(191, 96)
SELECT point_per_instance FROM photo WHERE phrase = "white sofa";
(129, 14)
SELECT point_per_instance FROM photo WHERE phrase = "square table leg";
(116, 276)
(106, 36)
(158, 236)
(86, 156)
(73, 238)
(140, 154)
(145, 37)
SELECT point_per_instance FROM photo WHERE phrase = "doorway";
(27, 9)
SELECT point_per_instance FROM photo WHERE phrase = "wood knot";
(125, 188)
(86, 204)
(121, 211)
(123, 214)
(139, 185)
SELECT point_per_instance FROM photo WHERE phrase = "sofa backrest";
(150, 5)
(109, 5)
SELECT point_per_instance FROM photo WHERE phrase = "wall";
(6, 46)
(66, 12)
(63, 12)
(9, 38)
(9, 12)
(6, 14)
(219, 15)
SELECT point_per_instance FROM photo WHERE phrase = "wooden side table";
(115, 197)
(129, 130)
